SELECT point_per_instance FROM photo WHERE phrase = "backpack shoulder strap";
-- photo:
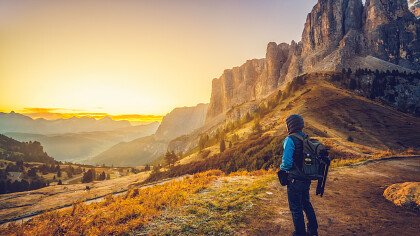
(298, 136)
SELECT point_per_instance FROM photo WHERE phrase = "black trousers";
(298, 196)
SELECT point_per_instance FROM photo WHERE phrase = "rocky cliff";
(253, 80)
(396, 89)
(382, 34)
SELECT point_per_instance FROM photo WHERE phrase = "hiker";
(297, 183)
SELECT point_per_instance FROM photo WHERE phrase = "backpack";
(313, 158)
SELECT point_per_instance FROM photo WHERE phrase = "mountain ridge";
(337, 34)
(15, 122)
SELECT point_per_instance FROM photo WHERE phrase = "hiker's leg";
(309, 210)
(294, 195)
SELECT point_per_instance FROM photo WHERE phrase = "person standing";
(297, 183)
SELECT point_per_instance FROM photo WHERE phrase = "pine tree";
(171, 158)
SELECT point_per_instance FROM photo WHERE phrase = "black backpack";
(313, 158)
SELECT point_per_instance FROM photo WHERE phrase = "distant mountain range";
(104, 141)
(81, 146)
(15, 122)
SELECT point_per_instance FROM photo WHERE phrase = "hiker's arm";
(287, 159)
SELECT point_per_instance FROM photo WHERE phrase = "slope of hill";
(134, 153)
(80, 146)
(13, 150)
(15, 122)
(180, 121)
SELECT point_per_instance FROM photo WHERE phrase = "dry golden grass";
(115, 215)
(338, 162)
(404, 194)
(224, 208)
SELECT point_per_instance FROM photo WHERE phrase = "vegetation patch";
(255, 153)
(404, 194)
(222, 209)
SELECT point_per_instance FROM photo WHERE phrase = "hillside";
(178, 122)
(134, 153)
(13, 150)
(80, 146)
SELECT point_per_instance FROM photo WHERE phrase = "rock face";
(337, 34)
(396, 89)
(253, 80)
(391, 32)
(180, 121)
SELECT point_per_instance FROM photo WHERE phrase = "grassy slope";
(132, 153)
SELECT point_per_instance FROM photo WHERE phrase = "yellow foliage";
(115, 215)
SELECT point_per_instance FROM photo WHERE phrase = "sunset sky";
(131, 57)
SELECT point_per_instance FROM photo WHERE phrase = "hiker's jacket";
(292, 156)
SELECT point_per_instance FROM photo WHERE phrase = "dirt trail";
(352, 205)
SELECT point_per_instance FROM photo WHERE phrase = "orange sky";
(131, 57)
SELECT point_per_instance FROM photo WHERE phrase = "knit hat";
(294, 123)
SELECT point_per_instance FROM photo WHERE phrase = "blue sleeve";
(287, 159)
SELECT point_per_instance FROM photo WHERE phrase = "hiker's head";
(294, 123)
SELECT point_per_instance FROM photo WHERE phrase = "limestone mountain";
(380, 35)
